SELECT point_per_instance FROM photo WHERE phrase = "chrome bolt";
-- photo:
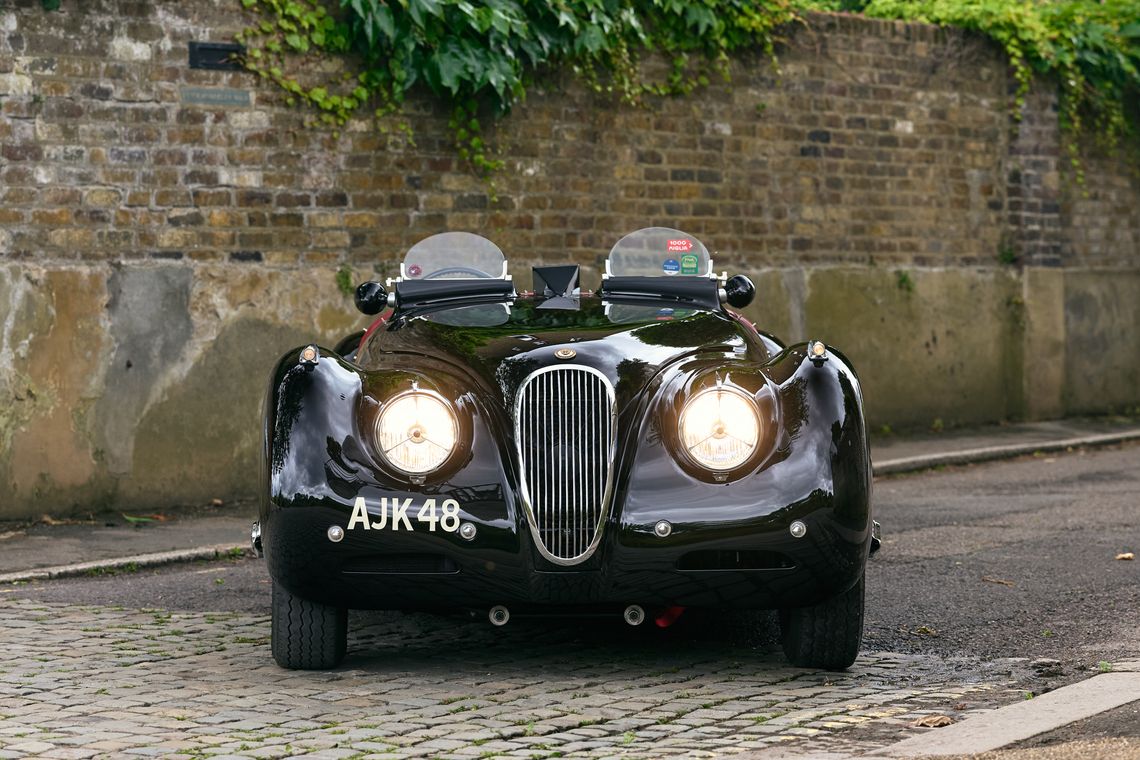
(662, 529)
(634, 614)
(499, 615)
(336, 534)
(467, 531)
(797, 529)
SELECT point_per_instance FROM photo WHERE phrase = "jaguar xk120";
(637, 449)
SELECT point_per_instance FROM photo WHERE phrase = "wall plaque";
(215, 96)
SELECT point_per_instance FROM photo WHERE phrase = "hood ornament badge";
(565, 353)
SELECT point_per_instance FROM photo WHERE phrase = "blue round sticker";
(671, 266)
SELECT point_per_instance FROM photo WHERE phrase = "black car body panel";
(729, 543)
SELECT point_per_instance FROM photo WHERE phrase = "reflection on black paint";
(817, 468)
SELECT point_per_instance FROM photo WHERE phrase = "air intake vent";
(564, 431)
(749, 559)
(402, 564)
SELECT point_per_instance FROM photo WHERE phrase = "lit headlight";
(720, 428)
(416, 431)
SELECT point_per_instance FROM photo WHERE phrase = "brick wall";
(1100, 222)
(872, 137)
(1035, 233)
(876, 143)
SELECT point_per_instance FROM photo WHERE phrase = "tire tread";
(827, 635)
(306, 635)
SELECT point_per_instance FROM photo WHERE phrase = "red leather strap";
(374, 326)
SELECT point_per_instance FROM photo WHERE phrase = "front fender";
(309, 422)
(318, 458)
(817, 470)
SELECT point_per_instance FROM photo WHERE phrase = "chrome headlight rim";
(703, 466)
(456, 432)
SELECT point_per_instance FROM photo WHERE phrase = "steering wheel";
(458, 270)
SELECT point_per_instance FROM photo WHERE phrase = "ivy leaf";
(365, 17)
(434, 7)
(481, 20)
(567, 19)
(701, 17)
(450, 67)
(592, 39)
(382, 20)
(417, 9)
(501, 76)
(500, 22)
(297, 42)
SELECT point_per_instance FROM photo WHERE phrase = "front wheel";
(307, 635)
(826, 635)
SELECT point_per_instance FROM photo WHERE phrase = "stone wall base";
(140, 386)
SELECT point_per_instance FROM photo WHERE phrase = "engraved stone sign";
(215, 96)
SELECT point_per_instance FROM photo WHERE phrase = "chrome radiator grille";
(564, 433)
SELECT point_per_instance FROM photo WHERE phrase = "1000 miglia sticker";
(444, 517)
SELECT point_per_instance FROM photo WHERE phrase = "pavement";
(910, 453)
(89, 545)
(1022, 720)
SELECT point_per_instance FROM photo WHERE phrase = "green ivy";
(1090, 47)
(345, 280)
(480, 57)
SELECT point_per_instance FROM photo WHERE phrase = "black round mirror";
(371, 297)
(739, 291)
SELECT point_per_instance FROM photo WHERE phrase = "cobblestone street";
(966, 612)
(87, 681)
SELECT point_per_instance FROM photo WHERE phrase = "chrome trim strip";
(567, 512)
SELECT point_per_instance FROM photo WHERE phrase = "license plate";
(401, 514)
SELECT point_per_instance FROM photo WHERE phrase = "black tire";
(827, 635)
(307, 635)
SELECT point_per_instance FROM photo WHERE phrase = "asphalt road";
(1016, 559)
(1009, 559)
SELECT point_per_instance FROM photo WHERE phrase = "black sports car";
(638, 449)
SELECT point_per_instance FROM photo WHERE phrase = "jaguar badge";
(565, 353)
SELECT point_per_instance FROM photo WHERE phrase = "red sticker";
(680, 245)
(414, 270)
